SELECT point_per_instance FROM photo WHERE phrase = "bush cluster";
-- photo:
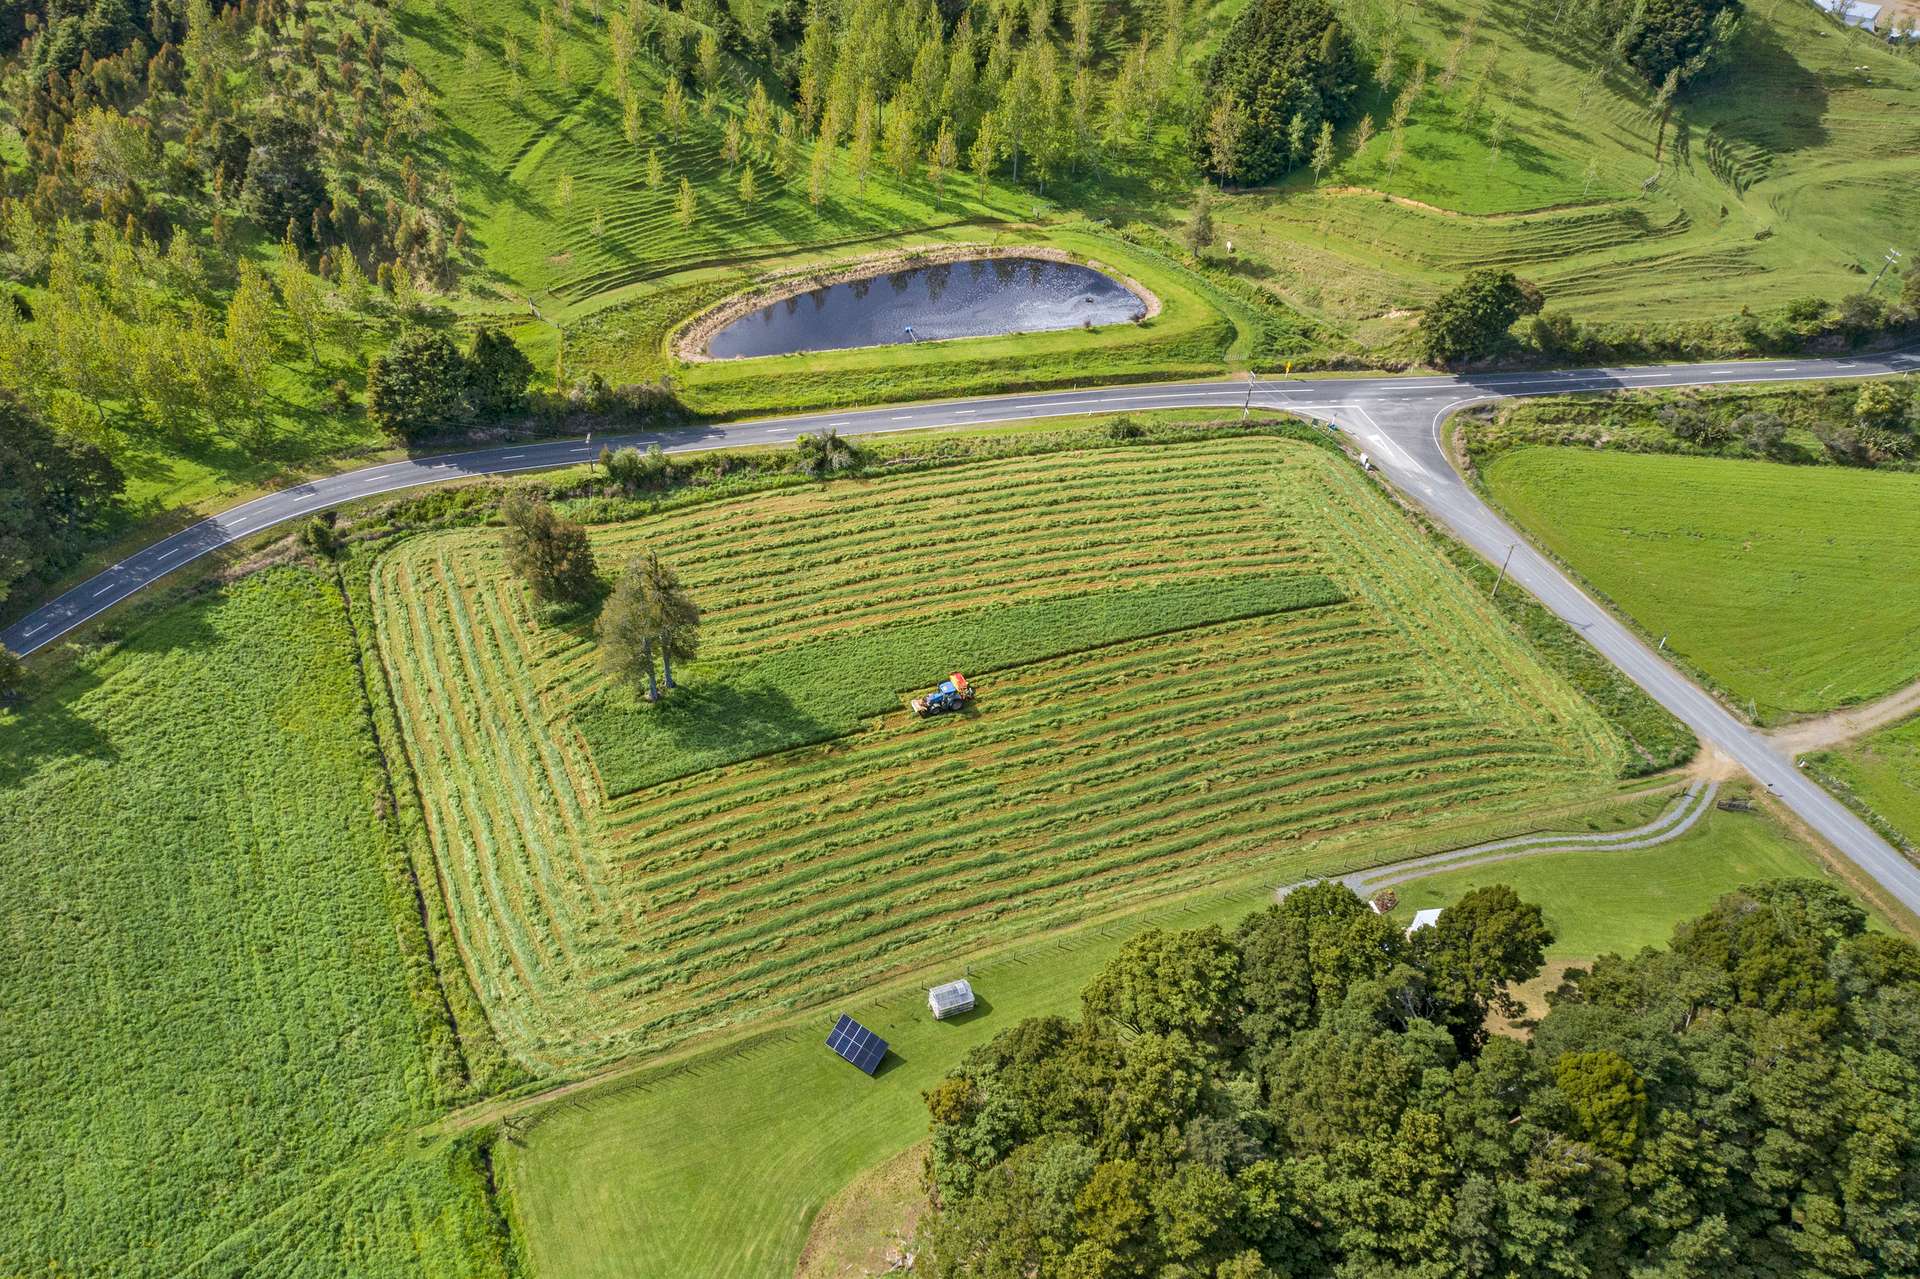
(423, 383)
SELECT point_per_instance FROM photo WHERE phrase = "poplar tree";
(861, 149)
(1323, 151)
(986, 144)
(942, 157)
(684, 206)
(819, 171)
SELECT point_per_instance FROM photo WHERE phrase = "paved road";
(1397, 420)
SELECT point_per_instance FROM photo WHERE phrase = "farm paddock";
(1280, 672)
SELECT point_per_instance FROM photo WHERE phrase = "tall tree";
(648, 613)
(418, 385)
(550, 553)
(1471, 320)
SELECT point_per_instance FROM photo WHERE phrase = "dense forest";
(1317, 1094)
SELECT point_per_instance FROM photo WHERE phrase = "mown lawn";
(1619, 901)
(216, 1022)
(1881, 772)
(1787, 586)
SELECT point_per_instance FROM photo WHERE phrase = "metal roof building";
(1423, 919)
(954, 997)
(1855, 13)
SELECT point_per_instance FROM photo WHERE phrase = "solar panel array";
(857, 1044)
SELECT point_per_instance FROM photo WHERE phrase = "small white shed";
(954, 997)
(1423, 919)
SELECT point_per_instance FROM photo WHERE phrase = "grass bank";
(1778, 584)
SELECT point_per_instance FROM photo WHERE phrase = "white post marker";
(1246, 410)
(1366, 463)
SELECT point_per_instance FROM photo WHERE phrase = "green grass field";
(621, 1184)
(219, 1020)
(1781, 584)
(1080, 783)
(1780, 178)
(1600, 902)
(1880, 772)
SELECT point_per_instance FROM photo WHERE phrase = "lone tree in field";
(552, 554)
(648, 613)
(1471, 320)
(1200, 226)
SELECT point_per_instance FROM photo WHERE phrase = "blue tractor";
(950, 696)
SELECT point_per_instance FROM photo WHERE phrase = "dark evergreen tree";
(1281, 61)
(418, 385)
(497, 373)
(550, 553)
(55, 492)
(284, 184)
(1470, 321)
(1680, 38)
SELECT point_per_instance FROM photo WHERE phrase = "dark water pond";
(979, 298)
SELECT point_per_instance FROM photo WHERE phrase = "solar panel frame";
(856, 1045)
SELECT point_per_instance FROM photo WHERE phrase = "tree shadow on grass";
(46, 727)
(694, 728)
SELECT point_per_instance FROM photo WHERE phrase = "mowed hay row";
(1077, 785)
(799, 564)
(1082, 780)
(508, 793)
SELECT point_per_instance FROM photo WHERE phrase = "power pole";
(1893, 256)
(1503, 571)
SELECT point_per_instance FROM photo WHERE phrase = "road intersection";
(1396, 420)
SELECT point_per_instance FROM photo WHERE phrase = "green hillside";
(1789, 173)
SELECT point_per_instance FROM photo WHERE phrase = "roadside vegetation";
(1754, 531)
(1879, 775)
(222, 1020)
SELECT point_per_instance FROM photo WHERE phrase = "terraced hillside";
(1785, 175)
(1083, 780)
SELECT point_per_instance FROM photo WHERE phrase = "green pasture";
(220, 1018)
(1881, 773)
(1782, 584)
(1784, 176)
(1619, 901)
